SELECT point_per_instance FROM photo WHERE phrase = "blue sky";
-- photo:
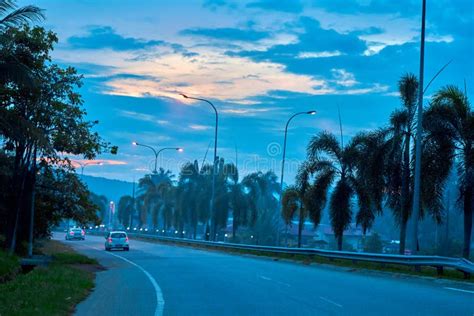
(259, 61)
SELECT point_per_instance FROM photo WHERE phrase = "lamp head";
(311, 112)
(134, 143)
(180, 149)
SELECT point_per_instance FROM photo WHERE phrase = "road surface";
(156, 279)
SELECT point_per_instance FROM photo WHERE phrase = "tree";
(450, 117)
(373, 244)
(11, 68)
(371, 157)
(329, 162)
(125, 209)
(304, 199)
(262, 189)
(154, 195)
(101, 202)
(400, 171)
(40, 121)
(436, 150)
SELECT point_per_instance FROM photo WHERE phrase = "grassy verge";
(398, 270)
(9, 266)
(51, 290)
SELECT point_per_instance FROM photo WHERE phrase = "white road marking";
(331, 302)
(278, 282)
(160, 302)
(459, 290)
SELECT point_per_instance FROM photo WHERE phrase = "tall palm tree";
(12, 16)
(187, 193)
(332, 164)
(399, 167)
(399, 173)
(450, 115)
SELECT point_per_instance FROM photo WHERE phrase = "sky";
(258, 61)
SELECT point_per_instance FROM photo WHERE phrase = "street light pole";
(283, 161)
(157, 153)
(215, 158)
(419, 130)
(85, 164)
(154, 153)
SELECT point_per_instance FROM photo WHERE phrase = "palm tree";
(332, 164)
(399, 167)
(303, 199)
(371, 156)
(262, 190)
(12, 16)
(450, 115)
(399, 184)
(125, 209)
(154, 193)
(187, 193)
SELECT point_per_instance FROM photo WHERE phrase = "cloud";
(143, 117)
(78, 163)
(313, 39)
(100, 37)
(213, 5)
(318, 54)
(231, 34)
(198, 127)
(289, 6)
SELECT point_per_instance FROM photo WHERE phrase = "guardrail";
(416, 261)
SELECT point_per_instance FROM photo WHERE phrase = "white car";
(75, 233)
(116, 240)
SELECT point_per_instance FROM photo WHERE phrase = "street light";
(215, 152)
(283, 160)
(157, 153)
(85, 164)
(413, 239)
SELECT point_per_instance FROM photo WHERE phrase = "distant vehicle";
(116, 240)
(76, 233)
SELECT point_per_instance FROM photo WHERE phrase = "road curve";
(197, 282)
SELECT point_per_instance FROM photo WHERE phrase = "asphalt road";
(156, 279)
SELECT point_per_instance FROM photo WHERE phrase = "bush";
(373, 244)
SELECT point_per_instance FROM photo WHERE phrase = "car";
(75, 233)
(117, 240)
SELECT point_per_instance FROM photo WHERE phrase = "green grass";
(73, 258)
(9, 266)
(51, 290)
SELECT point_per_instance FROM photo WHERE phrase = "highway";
(157, 279)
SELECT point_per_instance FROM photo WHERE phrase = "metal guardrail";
(439, 262)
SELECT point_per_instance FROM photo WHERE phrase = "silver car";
(75, 233)
(116, 240)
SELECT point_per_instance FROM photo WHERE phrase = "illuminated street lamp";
(157, 153)
(215, 153)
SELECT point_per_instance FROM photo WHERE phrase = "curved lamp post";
(283, 160)
(85, 164)
(215, 152)
(157, 153)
